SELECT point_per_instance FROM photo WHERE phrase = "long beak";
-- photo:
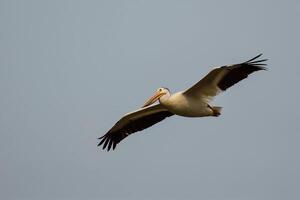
(153, 99)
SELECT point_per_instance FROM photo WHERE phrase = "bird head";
(160, 92)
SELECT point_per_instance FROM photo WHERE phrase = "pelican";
(193, 102)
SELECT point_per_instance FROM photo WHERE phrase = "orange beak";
(154, 98)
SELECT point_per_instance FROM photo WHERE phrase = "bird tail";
(216, 111)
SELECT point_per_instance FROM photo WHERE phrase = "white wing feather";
(207, 87)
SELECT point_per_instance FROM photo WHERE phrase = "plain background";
(70, 69)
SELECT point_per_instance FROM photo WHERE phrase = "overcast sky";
(70, 69)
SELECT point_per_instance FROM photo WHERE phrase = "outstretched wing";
(221, 78)
(133, 122)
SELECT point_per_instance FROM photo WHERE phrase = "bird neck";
(163, 99)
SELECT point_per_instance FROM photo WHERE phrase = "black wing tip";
(238, 72)
(107, 142)
(254, 58)
(258, 64)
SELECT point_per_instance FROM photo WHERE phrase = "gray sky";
(70, 69)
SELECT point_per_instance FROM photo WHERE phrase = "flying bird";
(193, 102)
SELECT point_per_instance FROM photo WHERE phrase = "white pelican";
(193, 102)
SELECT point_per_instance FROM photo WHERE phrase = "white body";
(183, 105)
